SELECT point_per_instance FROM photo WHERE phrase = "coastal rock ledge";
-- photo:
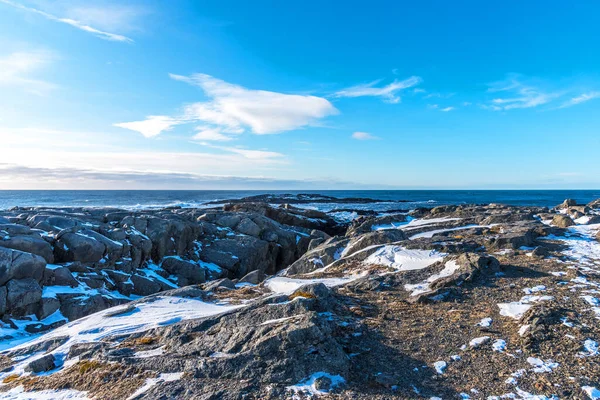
(260, 299)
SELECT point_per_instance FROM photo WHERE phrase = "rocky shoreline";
(258, 299)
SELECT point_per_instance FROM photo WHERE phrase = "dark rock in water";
(302, 198)
(23, 296)
(15, 264)
(594, 204)
(42, 364)
(567, 203)
(562, 221)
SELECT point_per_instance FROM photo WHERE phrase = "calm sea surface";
(139, 199)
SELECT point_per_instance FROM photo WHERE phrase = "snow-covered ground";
(125, 319)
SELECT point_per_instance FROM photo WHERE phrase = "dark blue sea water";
(139, 199)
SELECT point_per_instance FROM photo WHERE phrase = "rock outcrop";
(242, 302)
(79, 261)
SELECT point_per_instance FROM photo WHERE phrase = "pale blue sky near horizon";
(315, 94)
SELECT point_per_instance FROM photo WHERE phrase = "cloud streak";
(152, 126)
(72, 22)
(388, 92)
(363, 136)
(584, 97)
(16, 69)
(519, 95)
(233, 109)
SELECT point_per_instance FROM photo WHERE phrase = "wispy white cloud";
(233, 109)
(438, 95)
(210, 134)
(253, 154)
(152, 126)
(388, 93)
(519, 95)
(363, 136)
(582, 98)
(16, 70)
(446, 109)
(118, 17)
(69, 21)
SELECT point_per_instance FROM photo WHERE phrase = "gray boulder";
(42, 364)
(248, 227)
(143, 286)
(30, 244)
(23, 296)
(14, 229)
(374, 238)
(240, 255)
(141, 249)
(594, 204)
(229, 220)
(562, 221)
(113, 249)
(48, 305)
(366, 224)
(187, 272)
(225, 283)
(567, 203)
(321, 256)
(74, 306)
(15, 264)
(3, 293)
(58, 276)
(78, 247)
(254, 277)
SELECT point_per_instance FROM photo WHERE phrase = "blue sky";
(310, 95)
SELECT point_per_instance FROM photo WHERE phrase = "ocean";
(144, 199)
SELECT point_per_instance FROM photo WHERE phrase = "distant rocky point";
(304, 198)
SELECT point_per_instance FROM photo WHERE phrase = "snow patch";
(540, 365)
(514, 310)
(402, 259)
(285, 285)
(308, 385)
(150, 382)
